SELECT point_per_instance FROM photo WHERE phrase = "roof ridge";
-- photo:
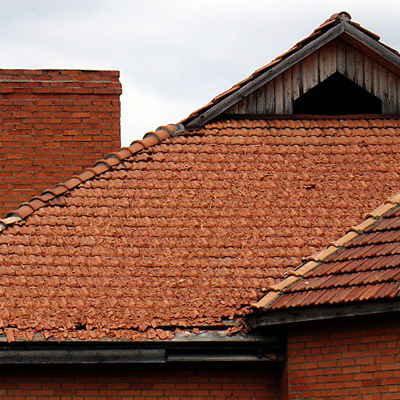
(316, 260)
(51, 196)
(341, 17)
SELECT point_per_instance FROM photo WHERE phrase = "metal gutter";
(212, 348)
(74, 356)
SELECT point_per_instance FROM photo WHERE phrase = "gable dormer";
(340, 69)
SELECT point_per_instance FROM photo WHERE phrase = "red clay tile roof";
(188, 232)
(362, 265)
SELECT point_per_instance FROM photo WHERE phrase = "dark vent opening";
(337, 95)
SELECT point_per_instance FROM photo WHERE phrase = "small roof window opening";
(337, 95)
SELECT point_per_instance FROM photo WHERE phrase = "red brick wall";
(151, 383)
(343, 361)
(53, 123)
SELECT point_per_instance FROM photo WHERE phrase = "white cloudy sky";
(174, 55)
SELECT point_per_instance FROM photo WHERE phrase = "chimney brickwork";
(53, 124)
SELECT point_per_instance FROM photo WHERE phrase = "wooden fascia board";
(292, 316)
(270, 74)
(371, 47)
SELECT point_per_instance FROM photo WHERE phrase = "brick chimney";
(53, 124)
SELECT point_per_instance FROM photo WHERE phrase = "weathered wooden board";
(297, 81)
(392, 95)
(261, 107)
(288, 92)
(279, 93)
(270, 97)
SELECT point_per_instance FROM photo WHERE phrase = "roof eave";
(267, 318)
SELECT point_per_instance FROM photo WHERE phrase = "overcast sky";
(174, 55)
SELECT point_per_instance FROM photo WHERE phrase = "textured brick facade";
(339, 361)
(343, 361)
(199, 382)
(53, 123)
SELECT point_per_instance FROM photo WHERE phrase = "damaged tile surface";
(189, 231)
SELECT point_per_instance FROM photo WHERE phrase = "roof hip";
(314, 262)
(51, 196)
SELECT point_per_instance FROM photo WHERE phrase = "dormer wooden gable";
(340, 69)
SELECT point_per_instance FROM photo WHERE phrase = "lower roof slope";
(363, 265)
(191, 231)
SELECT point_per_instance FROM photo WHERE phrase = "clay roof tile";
(100, 167)
(86, 175)
(23, 211)
(73, 182)
(36, 203)
(56, 191)
(126, 152)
